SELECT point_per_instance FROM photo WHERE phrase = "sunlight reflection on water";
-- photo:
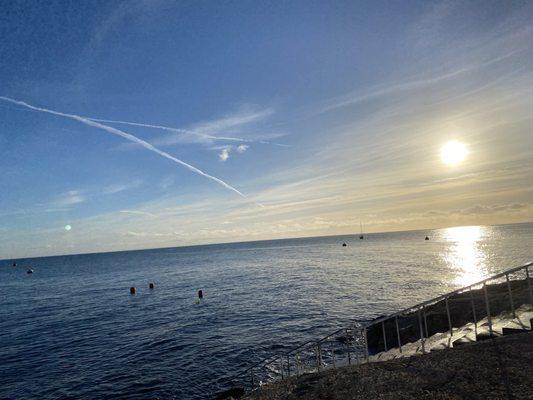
(465, 256)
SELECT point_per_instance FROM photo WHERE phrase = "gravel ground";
(500, 368)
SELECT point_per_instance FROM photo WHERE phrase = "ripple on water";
(72, 330)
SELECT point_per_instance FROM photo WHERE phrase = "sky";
(142, 124)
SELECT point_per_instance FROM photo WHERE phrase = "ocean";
(72, 330)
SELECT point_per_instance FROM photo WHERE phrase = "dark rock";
(233, 393)
(512, 331)
(345, 339)
(485, 336)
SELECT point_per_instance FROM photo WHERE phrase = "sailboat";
(361, 236)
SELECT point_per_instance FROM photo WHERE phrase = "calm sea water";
(72, 330)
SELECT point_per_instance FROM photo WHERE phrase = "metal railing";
(354, 344)
(471, 304)
(341, 347)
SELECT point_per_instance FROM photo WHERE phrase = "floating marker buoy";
(427, 238)
(133, 290)
(200, 294)
(29, 271)
(14, 263)
(344, 245)
(151, 285)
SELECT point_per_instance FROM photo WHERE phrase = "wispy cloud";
(223, 155)
(357, 97)
(242, 148)
(185, 135)
(482, 209)
(211, 131)
(150, 234)
(127, 136)
(68, 198)
(137, 212)
(166, 182)
(243, 117)
(225, 150)
(122, 187)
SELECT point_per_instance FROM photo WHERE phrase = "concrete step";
(461, 341)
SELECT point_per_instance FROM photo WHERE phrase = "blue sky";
(322, 114)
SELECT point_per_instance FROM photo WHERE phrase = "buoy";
(344, 245)
(29, 271)
(133, 290)
(427, 238)
(200, 294)
(151, 285)
(14, 263)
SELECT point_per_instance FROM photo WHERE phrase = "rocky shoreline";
(499, 368)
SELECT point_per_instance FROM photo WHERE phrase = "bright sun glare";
(453, 152)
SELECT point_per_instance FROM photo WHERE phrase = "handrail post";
(318, 357)
(510, 294)
(288, 366)
(348, 347)
(281, 367)
(398, 333)
(529, 285)
(487, 305)
(473, 311)
(422, 339)
(425, 320)
(384, 336)
(366, 344)
(449, 316)
(252, 377)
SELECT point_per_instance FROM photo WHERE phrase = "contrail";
(186, 131)
(125, 135)
(167, 128)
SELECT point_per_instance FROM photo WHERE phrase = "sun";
(453, 152)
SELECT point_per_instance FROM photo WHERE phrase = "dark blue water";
(72, 330)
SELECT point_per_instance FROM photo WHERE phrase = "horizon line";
(254, 241)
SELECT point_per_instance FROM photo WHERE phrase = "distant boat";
(361, 226)
(29, 271)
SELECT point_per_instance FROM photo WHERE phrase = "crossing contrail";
(167, 128)
(126, 136)
(186, 131)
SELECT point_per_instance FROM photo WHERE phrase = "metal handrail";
(276, 357)
(444, 296)
(366, 323)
